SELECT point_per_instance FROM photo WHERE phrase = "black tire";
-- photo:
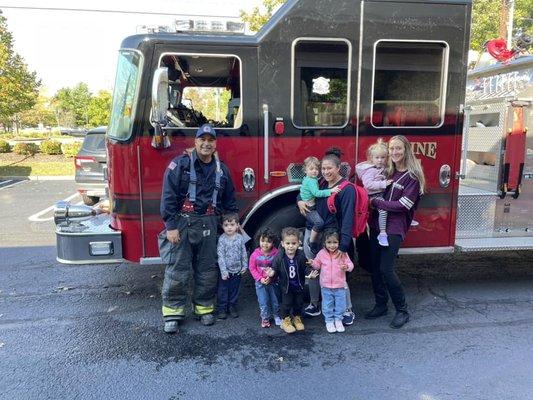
(286, 216)
(90, 200)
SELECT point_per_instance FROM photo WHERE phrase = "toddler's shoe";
(265, 323)
(330, 327)
(287, 325)
(348, 317)
(277, 321)
(383, 240)
(298, 324)
(312, 311)
(339, 326)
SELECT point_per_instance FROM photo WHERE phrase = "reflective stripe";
(406, 202)
(171, 311)
(201, 310)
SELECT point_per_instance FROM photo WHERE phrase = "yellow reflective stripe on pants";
(201, 310)
(170, 311)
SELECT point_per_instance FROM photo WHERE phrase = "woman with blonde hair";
(400, 200)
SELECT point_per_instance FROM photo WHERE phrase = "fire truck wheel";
(90, 200)
(286, 216)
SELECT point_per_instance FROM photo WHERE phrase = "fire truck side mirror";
(160, 97)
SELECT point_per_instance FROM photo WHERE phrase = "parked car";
(78, 132)
(90, 163)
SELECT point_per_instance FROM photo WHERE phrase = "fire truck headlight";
(65, 212)
(248, 179)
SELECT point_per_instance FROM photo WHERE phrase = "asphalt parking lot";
(94, 331)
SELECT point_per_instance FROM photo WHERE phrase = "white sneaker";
(330, 326)
(277, 321)
(339, 326)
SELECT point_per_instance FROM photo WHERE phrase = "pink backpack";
(361, 207)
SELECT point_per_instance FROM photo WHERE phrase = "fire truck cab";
(320, 73)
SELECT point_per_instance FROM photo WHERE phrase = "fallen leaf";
(111, 309)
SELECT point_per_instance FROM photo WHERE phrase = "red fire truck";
(320, 73)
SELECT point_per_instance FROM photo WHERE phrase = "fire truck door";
(411, 82)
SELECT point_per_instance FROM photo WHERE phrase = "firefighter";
(197, 188)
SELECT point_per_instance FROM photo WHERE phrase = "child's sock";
(383, 239)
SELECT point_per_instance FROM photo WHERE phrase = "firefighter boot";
(298, 324)
(287, 325)
(171, 327)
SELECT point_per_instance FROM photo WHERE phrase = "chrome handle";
(464, 143)
(444, 176)
(248, 179)
(266, 175)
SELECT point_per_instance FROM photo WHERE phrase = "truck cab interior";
(203, 89)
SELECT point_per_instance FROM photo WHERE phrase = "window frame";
(136, 100)
(348, 83)
(220, 55)
(443, 82)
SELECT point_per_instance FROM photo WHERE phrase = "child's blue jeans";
(267, 297)
(333, 304)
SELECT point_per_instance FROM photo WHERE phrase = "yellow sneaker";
(298, 324)
(287, 325)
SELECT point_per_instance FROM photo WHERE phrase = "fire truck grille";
(295, 171)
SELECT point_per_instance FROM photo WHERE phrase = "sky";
(66, 47)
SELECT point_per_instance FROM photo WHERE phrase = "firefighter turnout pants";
(196, 254)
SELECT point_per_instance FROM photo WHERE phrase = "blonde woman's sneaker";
(330, 327)
(277, 321)
(400, 319)
(298, 324)
(287, 325)
(339, 326)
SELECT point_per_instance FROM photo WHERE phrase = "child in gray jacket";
(232, 262)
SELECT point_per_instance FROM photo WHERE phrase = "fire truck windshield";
(125, 94)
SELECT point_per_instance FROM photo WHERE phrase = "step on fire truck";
(320, 73)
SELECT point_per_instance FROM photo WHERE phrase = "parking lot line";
(6, 184)
(37, 216)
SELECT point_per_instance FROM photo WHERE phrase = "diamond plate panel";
(475, 215)
(295, 171)
(485, 139)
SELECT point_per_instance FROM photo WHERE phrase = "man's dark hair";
(289, 231)
(230, 217)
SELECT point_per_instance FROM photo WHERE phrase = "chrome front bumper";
(91, 241)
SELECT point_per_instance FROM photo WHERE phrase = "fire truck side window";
(409, 84)
(320, 83)
(125, 95)
(203, 88)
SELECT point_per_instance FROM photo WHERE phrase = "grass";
(29, 135)
(29, 166)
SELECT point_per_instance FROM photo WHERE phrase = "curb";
(41, 177)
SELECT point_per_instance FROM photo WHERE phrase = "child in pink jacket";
(266, 286)
(372, 174)
(333, 268)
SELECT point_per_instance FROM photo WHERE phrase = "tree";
(485, 18)
(257, 18)
(99, 109)
(486, 21)
(71, 105)
(41, 113)
(19, 88)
